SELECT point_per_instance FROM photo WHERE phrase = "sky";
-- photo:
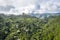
(28, 6)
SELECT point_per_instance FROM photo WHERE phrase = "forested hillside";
(25, 27)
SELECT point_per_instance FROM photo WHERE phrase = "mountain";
(25, 27)
(44, 15)
(52, 29)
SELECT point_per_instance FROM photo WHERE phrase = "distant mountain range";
(45, 15)
(38, 15)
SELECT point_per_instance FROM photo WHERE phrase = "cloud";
(6, 8)
(50, 6)
(39, 6)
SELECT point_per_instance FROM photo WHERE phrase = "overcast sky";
(46, 6)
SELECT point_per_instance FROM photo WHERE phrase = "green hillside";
(29, 28)
(51, 30)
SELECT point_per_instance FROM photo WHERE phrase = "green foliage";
(24, 27)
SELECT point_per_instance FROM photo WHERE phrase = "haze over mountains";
(32, 6)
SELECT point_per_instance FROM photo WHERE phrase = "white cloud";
(46, 6)
(26, 9)
(2, 2)
(51, 6)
